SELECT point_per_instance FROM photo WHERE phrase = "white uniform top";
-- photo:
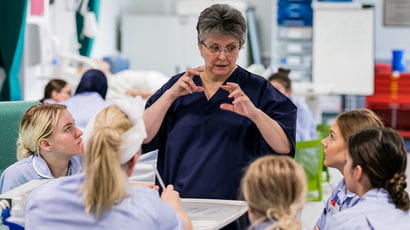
(375, 210)
(58, 205)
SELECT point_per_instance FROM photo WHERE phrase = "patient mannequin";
(131, 83)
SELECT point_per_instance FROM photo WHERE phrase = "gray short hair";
(221, 19)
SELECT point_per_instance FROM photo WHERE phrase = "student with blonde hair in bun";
(275, 189)
(102, 197)
(48, 147)
(375, 170)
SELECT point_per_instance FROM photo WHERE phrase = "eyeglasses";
(229, 50)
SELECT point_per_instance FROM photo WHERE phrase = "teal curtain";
(12, 26)
(86, 43)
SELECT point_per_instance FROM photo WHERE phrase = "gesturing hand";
(171, 197)
(241, 104)
(185, 85)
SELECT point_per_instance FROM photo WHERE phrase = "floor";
(312, 210)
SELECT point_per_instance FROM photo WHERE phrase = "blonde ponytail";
(287, 222)
(105, 180)
(22, 151)
(275, 188)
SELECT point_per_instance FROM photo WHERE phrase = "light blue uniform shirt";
(58, 205)
(32, 168)
(264, 225)
(374, 211)
(305, 121)
(339, 200)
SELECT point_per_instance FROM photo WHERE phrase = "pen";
(161, 182)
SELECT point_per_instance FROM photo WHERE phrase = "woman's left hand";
(241, 104)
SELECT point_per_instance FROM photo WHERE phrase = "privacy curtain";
(12, 25)
(86, 43)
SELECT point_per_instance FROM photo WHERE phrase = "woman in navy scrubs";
(209, 122)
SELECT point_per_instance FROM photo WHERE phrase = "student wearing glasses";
(210, 122)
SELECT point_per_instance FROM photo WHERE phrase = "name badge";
(333, 206)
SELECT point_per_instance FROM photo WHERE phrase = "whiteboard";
(343, 48)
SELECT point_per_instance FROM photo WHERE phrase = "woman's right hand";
(185, 84)
(171, 197)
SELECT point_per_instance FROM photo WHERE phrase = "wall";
(108, 38)
(389, 37)
(263, 14)
(386, 38)
(62, 26)
(106, 42)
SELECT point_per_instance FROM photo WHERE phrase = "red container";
(391, 100)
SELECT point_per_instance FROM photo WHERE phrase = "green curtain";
(86, 43)
(12, 26)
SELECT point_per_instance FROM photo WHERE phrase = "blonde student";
(335, 150)
(275, 189)
(101, 197)
(375, 170)
(48, 147)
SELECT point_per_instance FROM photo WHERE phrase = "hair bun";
(396, 187)
(397, 183)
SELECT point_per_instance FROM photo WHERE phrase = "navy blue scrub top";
(202, 150)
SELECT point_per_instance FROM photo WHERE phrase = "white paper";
(209, 214)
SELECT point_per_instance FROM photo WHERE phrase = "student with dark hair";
(89, 97)
(305, 121)
(375, 170)
(93, 81)
(56, 90)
